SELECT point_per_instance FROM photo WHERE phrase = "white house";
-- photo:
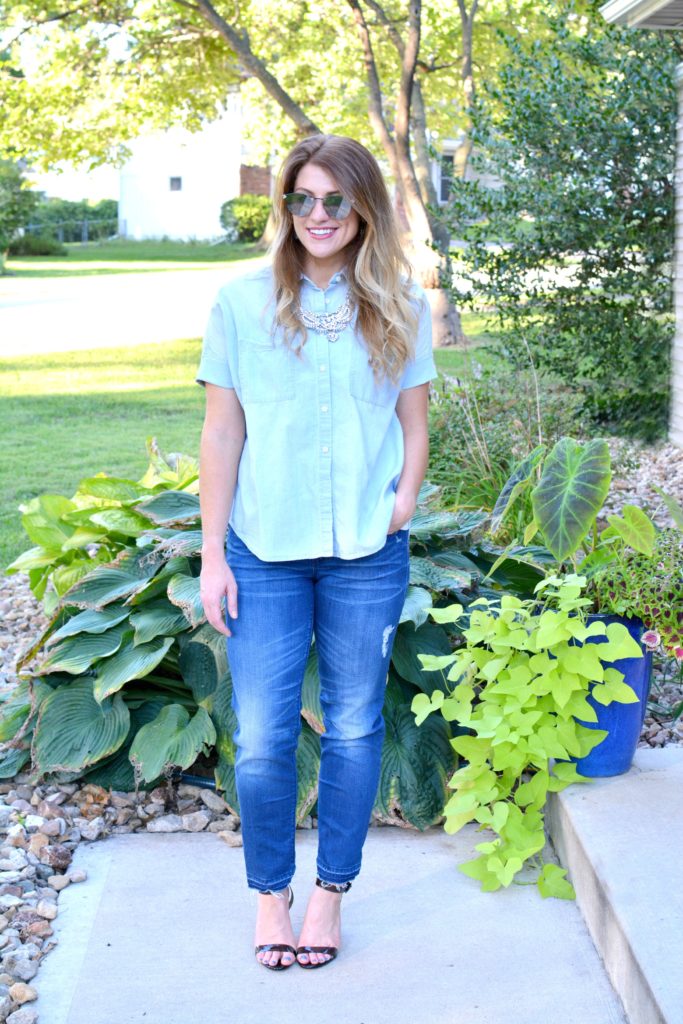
(176, 181)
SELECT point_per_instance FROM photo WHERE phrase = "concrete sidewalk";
(162, 932)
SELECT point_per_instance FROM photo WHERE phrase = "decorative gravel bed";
(40, 825)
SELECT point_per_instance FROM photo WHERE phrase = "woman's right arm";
(220, 450)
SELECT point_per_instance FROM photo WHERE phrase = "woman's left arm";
(411, 410)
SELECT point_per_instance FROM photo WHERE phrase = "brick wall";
(676, 417)
(254, 180)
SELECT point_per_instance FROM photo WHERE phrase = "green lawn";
(73, 414)
(122, 256)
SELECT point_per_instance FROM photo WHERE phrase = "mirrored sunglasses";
(301, 204)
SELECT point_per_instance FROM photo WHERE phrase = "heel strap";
(331, 887)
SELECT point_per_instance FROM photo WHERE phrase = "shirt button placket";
(325, 443)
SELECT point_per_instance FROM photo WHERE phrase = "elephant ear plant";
(519, 684)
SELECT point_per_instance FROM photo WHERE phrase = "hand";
(404, 506)
(216, 581)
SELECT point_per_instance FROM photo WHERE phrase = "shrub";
(36, 245)
(246, 216)
(574, 248)
(130, 680)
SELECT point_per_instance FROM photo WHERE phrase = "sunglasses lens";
(337, 206)
(299, 203)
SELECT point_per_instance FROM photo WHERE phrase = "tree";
(575, 249)
(16, 205)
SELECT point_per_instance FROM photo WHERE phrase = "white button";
(325, 449)
(322, 367)
(323, 408)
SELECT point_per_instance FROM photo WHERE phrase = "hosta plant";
(519, 684)
(128, 681)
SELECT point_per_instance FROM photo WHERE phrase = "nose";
(318, 213)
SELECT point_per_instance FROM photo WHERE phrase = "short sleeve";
(421, 368)
(218, 347)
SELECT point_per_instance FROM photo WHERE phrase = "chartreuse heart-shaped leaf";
(572, 490)
(635, 528)
(74, 729)
(553, 882)
(520, 687)
(173, 738)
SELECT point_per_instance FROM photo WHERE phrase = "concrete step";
(622, 841)
(162, 933)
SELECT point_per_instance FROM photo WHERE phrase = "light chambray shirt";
(324, 447)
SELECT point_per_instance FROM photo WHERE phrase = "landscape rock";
(22, 993)
(168, 823)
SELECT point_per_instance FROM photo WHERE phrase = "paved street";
(59, 314)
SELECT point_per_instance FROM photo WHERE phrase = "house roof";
(644, 13)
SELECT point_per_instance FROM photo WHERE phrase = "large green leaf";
(75, 730)
(172, 739)
(447, 525)
(198, 666)
(310, 693)
(183, 591)
(107, 583)
(307, 771)
(409, 642)
(223, 716)
(42, 520)
(121, 520)
(76, 654)
(34, 558)
(416, 606)
(178, 542)
(171, 507)
(424, 572)
(14, 759)
(514, 486)
(130, 662)
(157, 618)
(116, 772)
(415, 766)
(111, 488)
(570, 493)
(91, 622)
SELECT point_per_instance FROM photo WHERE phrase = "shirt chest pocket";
(266, 370)
(362, 383)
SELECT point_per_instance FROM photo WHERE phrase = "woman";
(314, 447)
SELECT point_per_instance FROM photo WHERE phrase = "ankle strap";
(331, 887)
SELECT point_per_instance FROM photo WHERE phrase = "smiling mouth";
(321, 232)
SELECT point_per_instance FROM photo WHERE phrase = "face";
(323, 237)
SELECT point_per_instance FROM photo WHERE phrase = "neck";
(321, 272)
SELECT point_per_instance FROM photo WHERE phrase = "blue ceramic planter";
(623, 722)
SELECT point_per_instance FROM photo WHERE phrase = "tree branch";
(239, 44)
(375, 110)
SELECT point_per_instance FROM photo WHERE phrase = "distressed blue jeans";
(352, 607)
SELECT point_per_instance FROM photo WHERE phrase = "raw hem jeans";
(352, 607)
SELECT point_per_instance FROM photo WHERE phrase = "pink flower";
(651, 639)
(678, 653)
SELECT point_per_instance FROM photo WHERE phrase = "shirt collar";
(339, 275)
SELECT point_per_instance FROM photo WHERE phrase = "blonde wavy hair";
(378, 273)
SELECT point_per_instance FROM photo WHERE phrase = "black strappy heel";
(331, 951)
(277, 947)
